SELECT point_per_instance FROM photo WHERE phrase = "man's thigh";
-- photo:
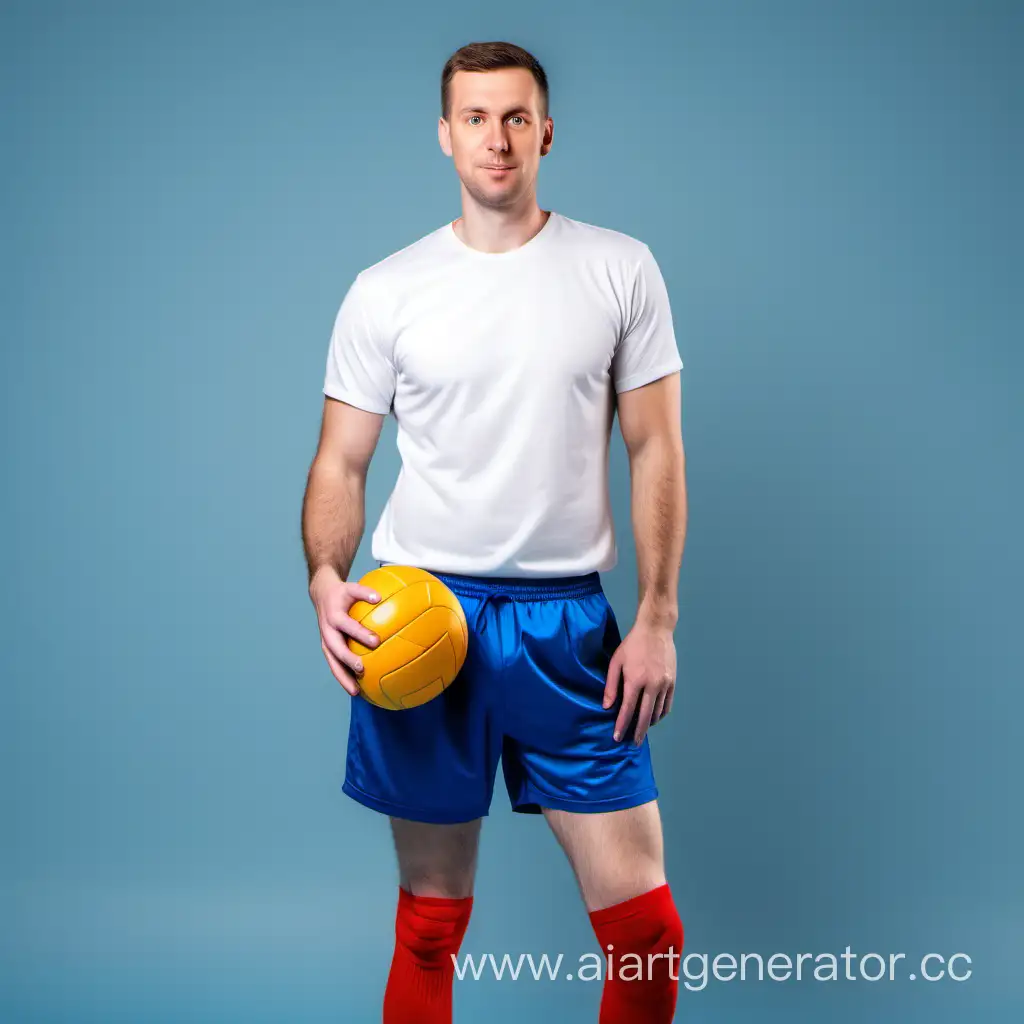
(615, 855)
(436, 859)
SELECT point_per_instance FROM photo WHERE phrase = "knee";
(645, 924)
(666, 928)
(658, 926)
(431, 928)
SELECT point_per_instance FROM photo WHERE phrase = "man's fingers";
(659, 707)
(668, 701)
(643, 722)
(347, 625)
(341, 651)
(340, 672)
(629, 698)
(361, 593)
(611, 685)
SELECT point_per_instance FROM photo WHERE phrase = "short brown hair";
(491, 57)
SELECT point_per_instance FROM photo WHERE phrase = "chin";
(495, 196)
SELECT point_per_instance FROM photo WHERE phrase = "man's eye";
(474, 117)
(516, 117)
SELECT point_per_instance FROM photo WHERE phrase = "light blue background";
(832, 191)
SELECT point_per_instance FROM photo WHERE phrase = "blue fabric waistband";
(521, 588)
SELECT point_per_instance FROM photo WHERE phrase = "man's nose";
(498, 140)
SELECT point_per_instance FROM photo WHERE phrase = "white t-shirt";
(501, 370)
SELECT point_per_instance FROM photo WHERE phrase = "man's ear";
(548, 137)
(444, 136)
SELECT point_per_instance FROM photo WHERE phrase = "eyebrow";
(480, 110)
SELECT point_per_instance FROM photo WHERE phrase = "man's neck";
(496, 231)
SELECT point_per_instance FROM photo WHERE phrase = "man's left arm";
(650, 421)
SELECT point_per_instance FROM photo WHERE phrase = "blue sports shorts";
(528, 694)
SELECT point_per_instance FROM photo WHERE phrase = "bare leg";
(614, 854)
(618, 860)
(436, 860)
(437, 868)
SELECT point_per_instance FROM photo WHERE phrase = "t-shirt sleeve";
(360, 370)
(647, 349)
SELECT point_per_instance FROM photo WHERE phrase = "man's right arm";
(334, 509)
(333, 517)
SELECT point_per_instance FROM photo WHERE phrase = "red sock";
(428, 930)
(636, 990)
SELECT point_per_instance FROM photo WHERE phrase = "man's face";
(495, 134)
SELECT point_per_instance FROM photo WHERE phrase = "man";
(504, 342)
